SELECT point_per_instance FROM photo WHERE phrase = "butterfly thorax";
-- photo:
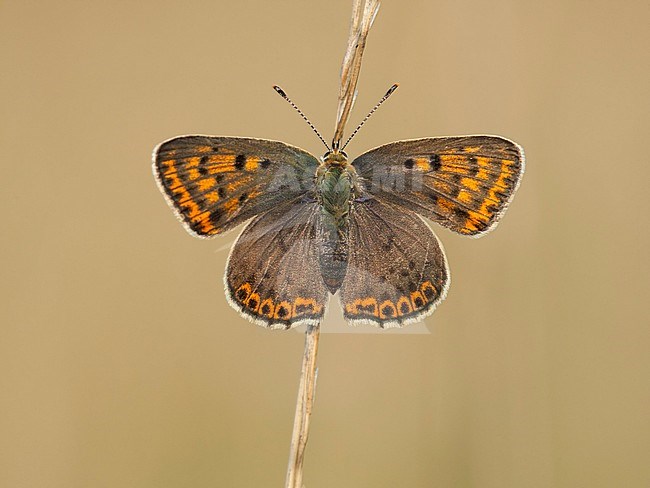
(337, 185)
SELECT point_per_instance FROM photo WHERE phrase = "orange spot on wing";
(450, 168)
(464, 196)
(207, 183)
(192, 162)
(469, 183)
(212, 197)
(442, 187)
(483, 162)
(469, 227)
(445, 205)
(175, 183)
(423, 164)
(197, 216)
(231, 205)
(185, 196)
(251, 163)
(505, 170)
(472, 149)
(203, 221)
(193, 210)
(222, 159)
(478, 217)
(234, 185)
(453, 159)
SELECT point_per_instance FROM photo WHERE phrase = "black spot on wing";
(434, 159)
(283, 312)
(240, 161)
(429, 292)
(387, 311)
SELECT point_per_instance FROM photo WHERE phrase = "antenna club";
(280, 91)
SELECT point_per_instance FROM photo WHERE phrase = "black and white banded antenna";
(382, 100)
(284, 95)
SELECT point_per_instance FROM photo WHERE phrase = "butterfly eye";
(335, 156)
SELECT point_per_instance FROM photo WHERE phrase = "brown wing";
(464, 183)
(216, 183)
(397, 271)
(273, 275)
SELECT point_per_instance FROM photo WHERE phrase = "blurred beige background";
(121, 363)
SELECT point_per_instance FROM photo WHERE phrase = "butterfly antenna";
(284, 95)
(383, 99)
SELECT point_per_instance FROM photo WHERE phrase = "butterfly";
(328, 225)
(321, 226)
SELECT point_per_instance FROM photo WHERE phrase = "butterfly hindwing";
(216, 183)
(397, 271)
(273, 276)
(464, 183)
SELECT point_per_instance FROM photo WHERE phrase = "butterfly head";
(335, 158)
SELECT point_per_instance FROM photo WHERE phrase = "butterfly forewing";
(216, 183)
(397, 271)
(464, 183)
(273, 275)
